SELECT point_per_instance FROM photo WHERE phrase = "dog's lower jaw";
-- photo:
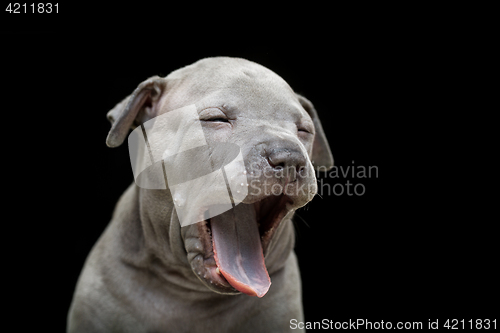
(276, 229)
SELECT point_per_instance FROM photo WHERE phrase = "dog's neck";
(152, 242)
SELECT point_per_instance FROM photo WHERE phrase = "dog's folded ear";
(321, 158)
(134, 109)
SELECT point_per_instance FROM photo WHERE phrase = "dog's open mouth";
(238, 239)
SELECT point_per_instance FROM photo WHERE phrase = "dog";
(149, 273)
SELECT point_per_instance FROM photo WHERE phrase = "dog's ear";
(134, 110)
(321, 158)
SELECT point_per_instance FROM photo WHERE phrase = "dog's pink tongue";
(238, 250)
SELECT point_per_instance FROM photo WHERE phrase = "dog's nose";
(287, 162)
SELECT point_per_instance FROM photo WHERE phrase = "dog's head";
(247, 111)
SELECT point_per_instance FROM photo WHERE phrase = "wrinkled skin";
(146, 273)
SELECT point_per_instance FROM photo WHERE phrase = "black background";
(395, 253)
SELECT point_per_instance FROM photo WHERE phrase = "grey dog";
(146, 273)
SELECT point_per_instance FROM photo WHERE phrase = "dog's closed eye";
(214, 115)
(218, 120)
(305, 128)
